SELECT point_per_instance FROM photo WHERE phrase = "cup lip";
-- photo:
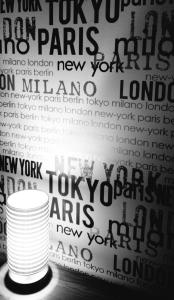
(28, 209)
(26, 214)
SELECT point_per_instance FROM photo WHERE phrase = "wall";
(87, 101)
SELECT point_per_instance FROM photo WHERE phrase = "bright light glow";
(27, 235)
(47, 291)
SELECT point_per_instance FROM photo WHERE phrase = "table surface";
(76, 286)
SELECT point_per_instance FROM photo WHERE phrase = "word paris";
(154, 37)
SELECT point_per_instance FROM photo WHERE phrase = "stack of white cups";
(27, 235)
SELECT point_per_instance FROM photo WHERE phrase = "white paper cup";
(27, 235)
